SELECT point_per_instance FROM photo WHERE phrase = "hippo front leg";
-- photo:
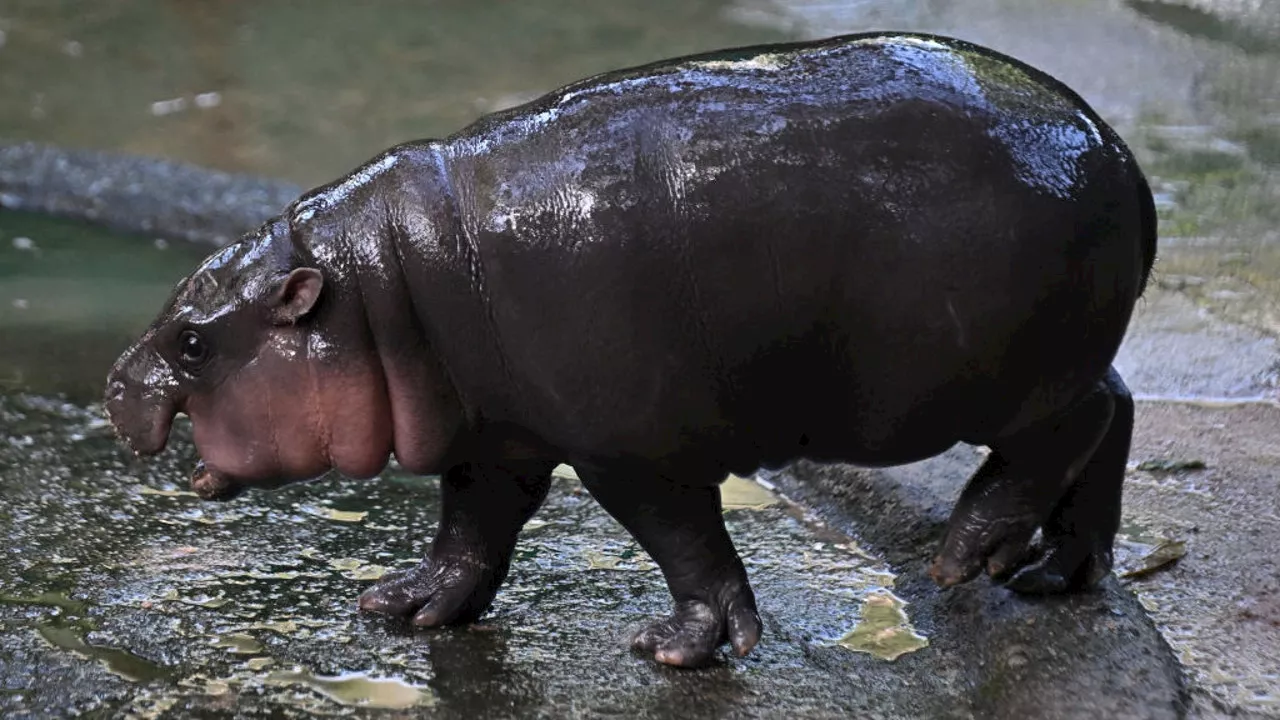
(682, 529)
(482, 510)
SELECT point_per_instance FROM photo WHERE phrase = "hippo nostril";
(115, 391)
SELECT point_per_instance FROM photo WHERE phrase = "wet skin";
(862, 250)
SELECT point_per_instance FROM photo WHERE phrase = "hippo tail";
(1150, 225)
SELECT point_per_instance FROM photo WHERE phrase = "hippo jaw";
(209, 485)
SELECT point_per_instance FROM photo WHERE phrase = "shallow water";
(306, 90)
(72, 297)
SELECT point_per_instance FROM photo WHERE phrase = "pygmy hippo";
(862, 250)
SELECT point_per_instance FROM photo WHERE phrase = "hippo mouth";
(210, 485)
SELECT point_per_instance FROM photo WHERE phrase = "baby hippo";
(862, 250)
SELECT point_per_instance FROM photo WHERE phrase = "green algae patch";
(259, 663)
(358, 689)
(1170, 465)
(279, 575)
(152, 708)
(884, 630)
(357, 569)
(622, 557)
(565, 472)
(1158, 557)
(212, 603)
(739, 493)
(626, 561)
(118, 662)
(367, 572)
(282, 627)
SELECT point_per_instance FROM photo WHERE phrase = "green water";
(308, 89)
(72, 297)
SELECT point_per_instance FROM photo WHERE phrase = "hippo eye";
(192, 347)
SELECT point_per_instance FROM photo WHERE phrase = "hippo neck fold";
(407, 289)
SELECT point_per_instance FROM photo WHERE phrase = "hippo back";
(864, 243)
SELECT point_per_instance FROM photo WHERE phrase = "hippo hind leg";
(1065, 478)
(682, 528)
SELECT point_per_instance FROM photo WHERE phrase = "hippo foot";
(998, 545)
(682, 528)
(690, 636)
(1065, 565)
(444, 590)
(1061, 564)
(1020, 488)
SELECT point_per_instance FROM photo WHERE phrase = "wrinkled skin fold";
(860, 250)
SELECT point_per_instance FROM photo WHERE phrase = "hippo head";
(246, 348)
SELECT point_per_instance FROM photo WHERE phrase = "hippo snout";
(138, 407)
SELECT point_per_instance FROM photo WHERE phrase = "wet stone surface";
(124, 594)
(1207, 477)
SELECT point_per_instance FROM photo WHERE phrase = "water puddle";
(46, 599)
(884, 630)
(346, 516)
(121, 663)
(69, 309)
(167, 493)
(238, 643)
(1140, 552)
(358, 689)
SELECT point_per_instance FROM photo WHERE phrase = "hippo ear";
(297, 295)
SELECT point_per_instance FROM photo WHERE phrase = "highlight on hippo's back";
(862, 250)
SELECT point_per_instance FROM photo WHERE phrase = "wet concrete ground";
(1219, 607)
(1194, 85)
(124, 594)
